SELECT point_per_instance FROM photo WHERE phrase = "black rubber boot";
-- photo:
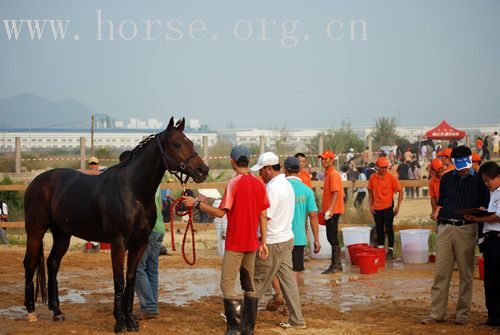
(232, 309)
(336, 261)
(249, 315)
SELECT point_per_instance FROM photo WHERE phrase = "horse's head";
(181, 154)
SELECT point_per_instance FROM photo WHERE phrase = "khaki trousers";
(279, 263)
(232, 263)
(454, 244)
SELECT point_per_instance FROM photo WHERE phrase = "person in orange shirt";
(437, 167)
(479, 145)
(476, 161)
(332, 206)
(446, 158)
(381, 189)
(303, 175)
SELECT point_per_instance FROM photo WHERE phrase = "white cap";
(351, 150)
(266, 159)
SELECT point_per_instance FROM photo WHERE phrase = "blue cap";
(292, 164)
(239, 151)
(462, 162)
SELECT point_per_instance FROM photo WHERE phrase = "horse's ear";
(180, 124)
(170, 123)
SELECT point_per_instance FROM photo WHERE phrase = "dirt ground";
(390, 302)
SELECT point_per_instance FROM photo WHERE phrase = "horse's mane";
(139, 148)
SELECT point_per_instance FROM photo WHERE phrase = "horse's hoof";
(59, 317)
(120, 328)
(134, 329)
(31, 317)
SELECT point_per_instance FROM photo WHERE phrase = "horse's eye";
(177, 145)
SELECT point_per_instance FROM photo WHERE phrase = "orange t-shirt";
(333, 183)
(479, 144)
(450, 167)
(383, 190)
(434, 187)
(305, 177)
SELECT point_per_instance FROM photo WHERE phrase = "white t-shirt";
(5, 209)
(496, 139)
(494, 206)
(280, 213)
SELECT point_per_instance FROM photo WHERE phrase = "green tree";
(339, 141)
(221, 148)
(385, 133)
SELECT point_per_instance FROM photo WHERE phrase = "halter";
(181, 172)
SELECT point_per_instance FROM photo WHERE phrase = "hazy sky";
(423, 61)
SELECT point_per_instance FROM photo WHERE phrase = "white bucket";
(326, 248)
(220, 231)
(415, 245)
(355, 235)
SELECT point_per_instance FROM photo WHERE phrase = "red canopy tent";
(444, 132)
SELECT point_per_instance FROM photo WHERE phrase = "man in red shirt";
(438, 168)
(381, 189)
(245, 203)
(332, 206)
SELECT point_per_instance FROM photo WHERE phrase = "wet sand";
(390, 302)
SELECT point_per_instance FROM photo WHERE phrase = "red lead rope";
(175, 208)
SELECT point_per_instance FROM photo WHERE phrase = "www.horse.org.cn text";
(288, 33)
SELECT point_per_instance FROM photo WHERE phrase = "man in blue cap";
(459, 189)
(245, 203)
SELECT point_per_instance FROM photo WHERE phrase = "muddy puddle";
(180, 286)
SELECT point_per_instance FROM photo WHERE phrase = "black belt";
(454, 222)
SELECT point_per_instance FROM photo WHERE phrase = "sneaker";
(275, 303)
(430, 321)
(143, 315)
(290, 324)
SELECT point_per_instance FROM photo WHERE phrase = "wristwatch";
(197, 204)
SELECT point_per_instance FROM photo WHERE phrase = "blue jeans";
(146, 280)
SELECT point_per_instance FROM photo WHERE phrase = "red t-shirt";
(244, 199)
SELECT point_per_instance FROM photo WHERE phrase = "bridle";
(181, 171)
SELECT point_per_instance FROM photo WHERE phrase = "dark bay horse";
(116, 206)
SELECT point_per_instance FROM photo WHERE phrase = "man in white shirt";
(490, 173)
(279, 239)
(496, 144)
(4, 215)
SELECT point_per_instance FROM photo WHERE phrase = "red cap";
(445, 153)
(382, 162)
(436, 164)
(327, 154)
(476, 157)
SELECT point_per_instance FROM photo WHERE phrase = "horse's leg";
(34, 251)
(59, 248)
(117, 258)
(134, 256)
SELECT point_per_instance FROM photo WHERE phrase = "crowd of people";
(267, 218)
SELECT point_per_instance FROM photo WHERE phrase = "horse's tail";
(41, 282)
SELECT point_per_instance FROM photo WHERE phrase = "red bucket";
(368, 262)
(105, 246)
(381, 257)
(352, 253)
(357, 248)
(480, 264)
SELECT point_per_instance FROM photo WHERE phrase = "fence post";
(321, 144)
(205, 149)
(18, 155)
(262, 141)
(82, 153)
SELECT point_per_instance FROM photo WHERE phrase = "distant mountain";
(31, 111)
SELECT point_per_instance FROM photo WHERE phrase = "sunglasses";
(92, 163)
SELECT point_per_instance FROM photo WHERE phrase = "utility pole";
(92, 137)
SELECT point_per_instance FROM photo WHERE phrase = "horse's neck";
(145, 170)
